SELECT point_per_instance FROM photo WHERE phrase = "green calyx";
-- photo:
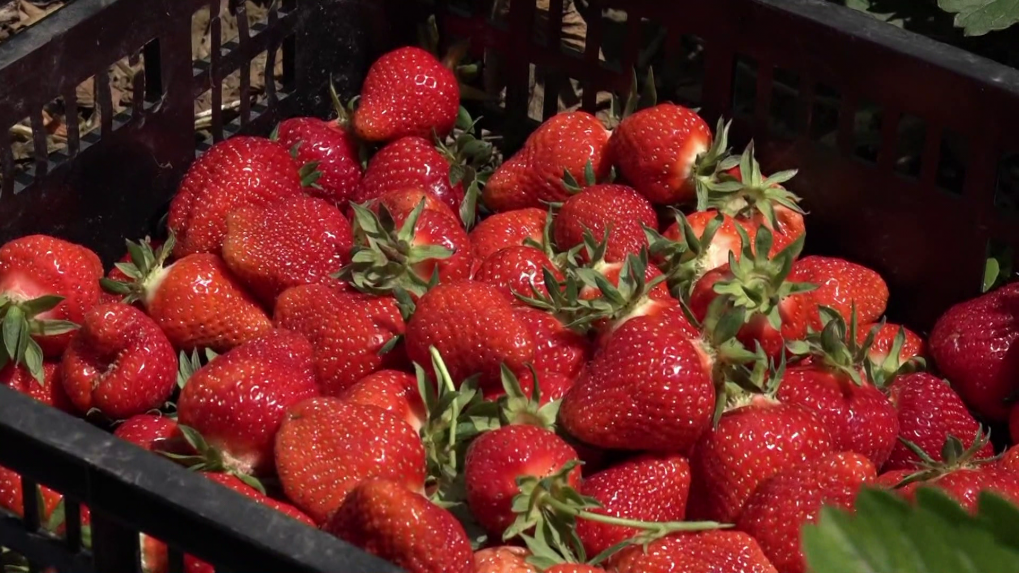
(144, 270)
(758, 284)
(472, 160)
(709, 169)
(636, 98)
(207, 458)
(754, 193)
(455, 416)
(384, 257)
(547, 511)
(516, 408)
(616, 302)
(21, 325)
(561, 259)
(954, 456)
(682, 261)
(882, 375)
(187, 365)
(741, 375)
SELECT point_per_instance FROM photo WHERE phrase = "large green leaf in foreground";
(888, 535)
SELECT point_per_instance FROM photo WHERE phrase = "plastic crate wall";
(907, 149)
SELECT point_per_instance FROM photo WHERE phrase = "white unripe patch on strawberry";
(152, 282)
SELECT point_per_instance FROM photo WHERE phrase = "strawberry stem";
(662, 527)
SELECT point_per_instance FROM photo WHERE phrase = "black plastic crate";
(908, 153)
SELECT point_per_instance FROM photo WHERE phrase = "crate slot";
(866, 131)
(241, 97)
(784, 110)
(910, 146)
(744, 86)
(824, 115)
(1006, 192)
(953, 158)
(679, 65)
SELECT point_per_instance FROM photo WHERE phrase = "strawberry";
(836, 384)
(50, 391)
(474, 327)
(233, 173)
(410, 163)
(403, 201)
(1010, 461)
(961, 472)
(664, 150)
(497, 458)
(708, 552)
(557, 349)
(333, 151)
(503, 559)
(572, 144)
(326, 446)
(386, 519)
(785, 502)
(773, 309)
(748, 445)
(237, 402)
(613, 272)
(411, 251)
(407, 91)
(153, 432)
(390, 390)
(884, 343)
(929, 412)
(508, 229)
(46, 287)
(12, 498)
(648, 487)
(694, 245)
(649, 388)
(517, 270)
(347, 332)
(196, 300)
(120, 363)
(971, 344)
(842, 285)
(616, 212)
(273, 248)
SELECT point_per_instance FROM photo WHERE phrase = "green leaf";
(978, 17)
(888, 535)
(992, 270)
(251, 481)
(52, 327)
(41, 304)
(14, 322)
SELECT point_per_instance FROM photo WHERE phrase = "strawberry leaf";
(886, 533)
(979, 17)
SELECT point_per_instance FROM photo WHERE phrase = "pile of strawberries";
(605, 353)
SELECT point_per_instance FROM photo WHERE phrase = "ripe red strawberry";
(50, 391)
(783, 504)
(774, 309)
(326, 446)
(517, 270)
(533, 177)
(497, 458)
(239, 171)
(509, 229)
(333, 150)
(390, 390)
(474, 328)
(649, 388)
(557, 349)
(503, 559)
(1010, 461)
(696, 244)
(386, 519)
(46, 287)
(346, 330)
(406, 250)
(662, 151)
(613, 210)
(884, 341)
(929, 412)
(404, 201)
(834, 383)
(613, 272)
(841, 285)
(971, 345)
(648, 487)
(120, 363)
(748, 445)
(12, 499)
(301, 241)
(153, 432)
(707, 552)
(410, 163)
(237, 402)
(196, 301)
(961, 472)
(407, 92)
